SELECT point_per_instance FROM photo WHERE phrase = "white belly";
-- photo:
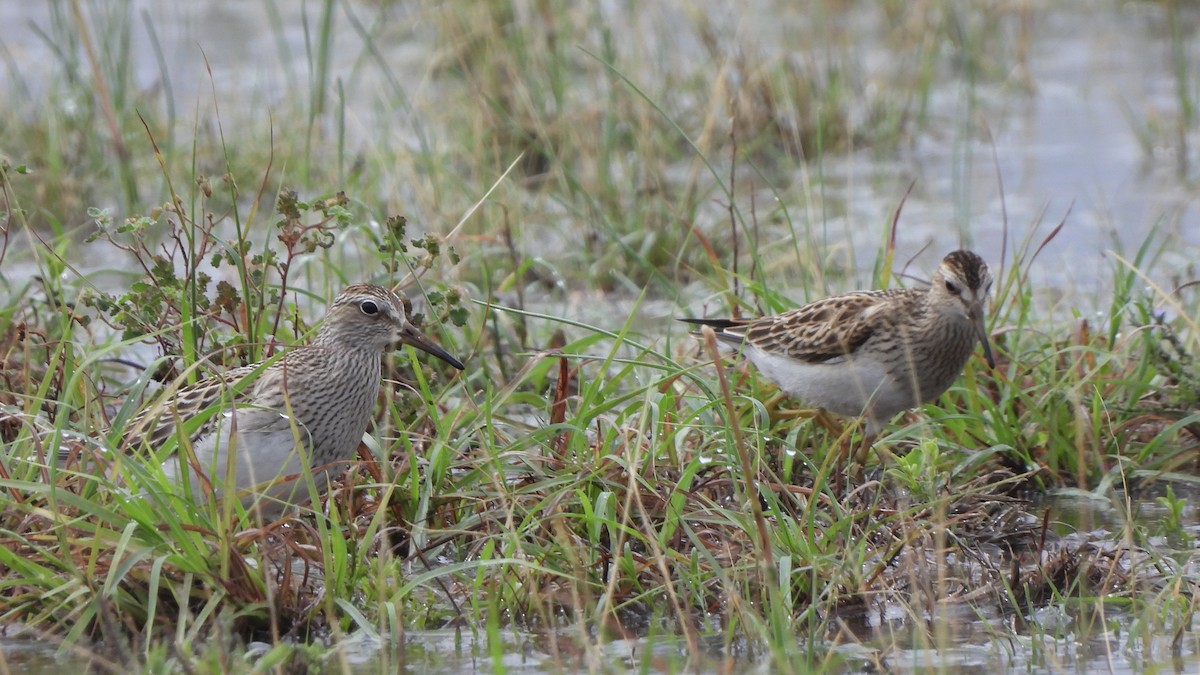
(266, 466)
(847, 386)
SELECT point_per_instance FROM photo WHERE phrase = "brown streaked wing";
(824, 330)
(154, 425)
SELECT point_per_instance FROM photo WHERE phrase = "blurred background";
(798, 129)
(586, 172)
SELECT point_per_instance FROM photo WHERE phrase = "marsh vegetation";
(552, 184)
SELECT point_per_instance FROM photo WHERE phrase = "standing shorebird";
(872, 353)
(256, 427)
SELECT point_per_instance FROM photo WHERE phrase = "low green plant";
(596, 480)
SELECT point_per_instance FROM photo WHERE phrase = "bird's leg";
(864, 448)
(773, 400)
(852, 455)
(774, 406)
(845, 436)
(838, 477)
(828, 422)
(820, 416)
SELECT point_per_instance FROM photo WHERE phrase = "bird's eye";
(369, 307)
(952, 287)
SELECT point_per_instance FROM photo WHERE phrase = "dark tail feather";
(715, 324)
(721, 327)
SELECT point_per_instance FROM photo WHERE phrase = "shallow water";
(1086, 128)
(42, 656)
(1060, 133)
(962, 637)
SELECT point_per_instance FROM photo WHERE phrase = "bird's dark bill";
(416, 338)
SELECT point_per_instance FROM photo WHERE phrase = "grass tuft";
(596, 483)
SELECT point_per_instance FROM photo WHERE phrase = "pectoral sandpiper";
(307, 410)
(872, 353)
